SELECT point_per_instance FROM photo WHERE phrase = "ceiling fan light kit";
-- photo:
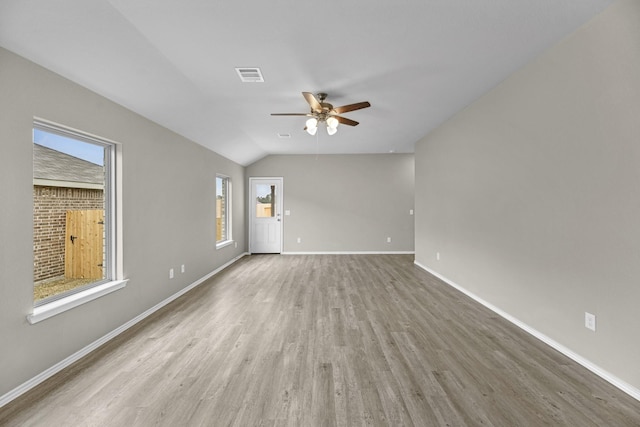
(323, 112)
(312, 126)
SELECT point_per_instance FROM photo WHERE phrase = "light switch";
(287, 212)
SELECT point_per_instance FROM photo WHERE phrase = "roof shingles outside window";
(55, 166)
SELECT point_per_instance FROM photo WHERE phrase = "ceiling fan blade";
(351, 107)
(346, 121)
(313, 101)
(292, 114)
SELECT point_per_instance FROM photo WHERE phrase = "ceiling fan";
(322, 111)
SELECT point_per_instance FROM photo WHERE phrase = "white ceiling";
(417, 62)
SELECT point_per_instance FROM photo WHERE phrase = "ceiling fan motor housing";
(326, 107)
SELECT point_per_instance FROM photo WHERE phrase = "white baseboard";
(350, 253)
(28, 385)
(607, 376)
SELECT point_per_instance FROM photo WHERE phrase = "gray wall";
(344, 203)
(168, 209)
(532, 194)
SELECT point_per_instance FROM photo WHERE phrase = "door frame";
(251, 210)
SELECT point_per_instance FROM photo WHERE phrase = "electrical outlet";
(590, 321)
(236, 244)
(299, 240)
(388, 239)
(171, 273)
(410, 211)
(437, 256)
(182, 270)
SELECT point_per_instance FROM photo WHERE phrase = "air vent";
(250, 75)
(284, 135)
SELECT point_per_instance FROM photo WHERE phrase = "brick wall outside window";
(50, 205)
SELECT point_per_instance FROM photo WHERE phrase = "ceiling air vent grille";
(250, 74)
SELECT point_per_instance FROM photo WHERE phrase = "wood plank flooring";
(324, 340)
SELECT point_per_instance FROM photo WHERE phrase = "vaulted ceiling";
(418, 62)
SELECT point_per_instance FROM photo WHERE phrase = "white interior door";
(265, 234)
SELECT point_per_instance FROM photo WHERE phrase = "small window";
(223, 209)
(73, 198)
(265, 201)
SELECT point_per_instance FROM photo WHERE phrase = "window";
(223, 210)
(265, 200)
(73, 216)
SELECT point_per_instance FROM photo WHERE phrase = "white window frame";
(113, 230)
(226, 181)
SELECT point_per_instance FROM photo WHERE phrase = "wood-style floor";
(324, 340)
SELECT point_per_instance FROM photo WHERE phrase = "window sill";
(60, 306)
(224, 243)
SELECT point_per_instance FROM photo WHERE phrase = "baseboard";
(350, 253)
(28, 385)
(607, 376)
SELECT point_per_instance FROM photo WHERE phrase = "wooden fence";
(84, 244)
